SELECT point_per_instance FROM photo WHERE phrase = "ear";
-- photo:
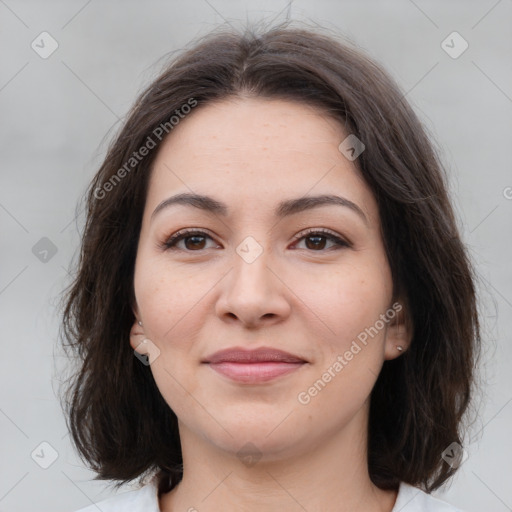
(136, 334)
(143, 348)
(399, 331)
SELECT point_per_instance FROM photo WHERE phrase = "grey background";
(58, 113)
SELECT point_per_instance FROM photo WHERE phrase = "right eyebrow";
(284, 208)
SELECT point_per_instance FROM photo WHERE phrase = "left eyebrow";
(292, 206)
(284, 208)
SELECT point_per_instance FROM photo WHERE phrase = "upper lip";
(262, 354)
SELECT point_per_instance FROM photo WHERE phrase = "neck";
(328, 476)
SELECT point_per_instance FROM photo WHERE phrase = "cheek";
(353, 349)
(171, 308)
(163, 305)
(348, 301)
(164, 296)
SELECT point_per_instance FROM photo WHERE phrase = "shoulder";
(144, 499)
(412, 499)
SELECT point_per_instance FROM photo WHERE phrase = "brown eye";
(316, 240)
(192, 241)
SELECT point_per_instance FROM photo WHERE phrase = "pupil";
(194, 241)
(316, 245)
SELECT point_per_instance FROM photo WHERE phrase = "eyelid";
(170, 241)
(332, 235)
(340, 241)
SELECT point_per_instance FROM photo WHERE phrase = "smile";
(252, 366)
(255, 372)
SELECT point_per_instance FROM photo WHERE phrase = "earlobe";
(136, 334)
(398, 335)
(143, 348)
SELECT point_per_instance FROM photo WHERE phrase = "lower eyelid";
(339, 243)
(171, 242)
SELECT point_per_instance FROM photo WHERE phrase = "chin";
(268, 435)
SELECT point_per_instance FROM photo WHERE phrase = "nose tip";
(252, 293)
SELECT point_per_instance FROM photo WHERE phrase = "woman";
(273, 307)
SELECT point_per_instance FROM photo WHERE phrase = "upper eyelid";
(321, 231)
(181, 234)
(203, 231)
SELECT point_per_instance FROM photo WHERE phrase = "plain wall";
(56, 113)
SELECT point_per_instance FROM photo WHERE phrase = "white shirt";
(145, 499)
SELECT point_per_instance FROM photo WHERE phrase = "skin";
(305, 296)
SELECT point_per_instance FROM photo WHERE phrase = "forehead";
(256, 151)
(237, 128)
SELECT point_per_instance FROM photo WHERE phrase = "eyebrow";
(284, 208)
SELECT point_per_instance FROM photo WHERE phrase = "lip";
(253, 366)
(259, 355)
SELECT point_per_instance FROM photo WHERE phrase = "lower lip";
(254, 372)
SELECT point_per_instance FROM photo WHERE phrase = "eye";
(193, 240)
(315, 240)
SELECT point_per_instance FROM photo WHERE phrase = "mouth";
(253, 366)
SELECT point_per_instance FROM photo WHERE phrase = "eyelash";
(183, 234)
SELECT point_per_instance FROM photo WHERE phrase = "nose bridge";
(252, 291)
(251, 265)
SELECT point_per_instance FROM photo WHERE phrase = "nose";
(253, 293)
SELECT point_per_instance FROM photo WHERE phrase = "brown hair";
(117, 417)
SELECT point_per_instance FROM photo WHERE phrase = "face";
(261, 265)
